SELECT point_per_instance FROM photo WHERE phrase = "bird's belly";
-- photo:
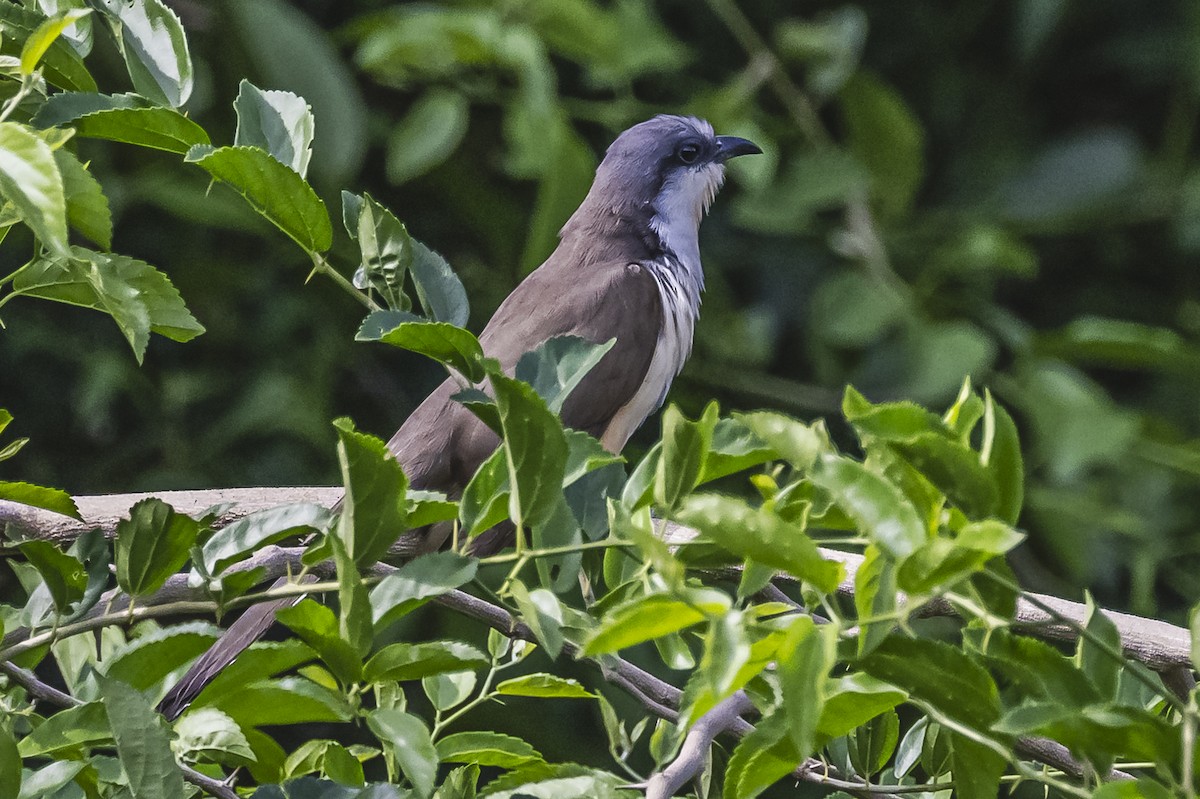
(671, 351)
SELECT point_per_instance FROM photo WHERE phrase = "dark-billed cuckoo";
(627, 267)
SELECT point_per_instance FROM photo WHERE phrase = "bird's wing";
(596, 301)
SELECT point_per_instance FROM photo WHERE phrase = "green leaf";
(1102, 668)
(546, 685)
(441, 292)
(878, 308)
(427, 135)
(10, 763)
(317, 626)
(403, 661)
(374, 509)
(354, 608)
(804, 659)
(1039, 670)
(87, 207)
(238, 539)
(408, 740)
(541, 611)
(290, 700)
(210, 734)
(763, 757)
(792, 440)
(276, 121)
(651, 616)
(734, 448)
(943, 676)
(885, 135)
(145, 661)
(874, 595)
(484, 502)
(854, 700)
(143, 742)
(66, 730)
(63, 574)
(872, 745)
(385, 248)
(429, 507)
(151, 545)
(1002, 460)
(1100, 733)
(61, 65)
(729, 662)
(486, 749)
(955, 469)
(459, 783)
(156, 128)
(443, 342)
(685, 449)
(272, 189)
(760, 535)
(46, 34)
(449, 690)
(418, 581)
(51, 499)
(64, 107)
(944, 562)
(152, 41)
(1194, 630)
(262, 660)
(46, 781)
(30, 180)
(140, 298)
(879, 508)
(535, 449)
(558, 365)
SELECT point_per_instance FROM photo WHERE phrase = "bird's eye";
(687, 153)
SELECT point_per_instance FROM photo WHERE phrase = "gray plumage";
(627, 267)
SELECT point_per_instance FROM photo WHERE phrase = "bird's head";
(665, 171)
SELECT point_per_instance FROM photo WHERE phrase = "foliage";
(867, 687)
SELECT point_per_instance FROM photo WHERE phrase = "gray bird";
(627, 267)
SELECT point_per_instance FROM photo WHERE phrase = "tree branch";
(1157, 644)
(47, 693)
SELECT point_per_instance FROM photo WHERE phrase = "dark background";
(1005, 189)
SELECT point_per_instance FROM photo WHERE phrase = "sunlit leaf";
(276, 191)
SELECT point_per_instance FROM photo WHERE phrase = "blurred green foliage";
(1005, 189)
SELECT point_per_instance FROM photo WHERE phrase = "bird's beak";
(731, 147)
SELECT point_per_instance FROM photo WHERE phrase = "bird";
(627, 268)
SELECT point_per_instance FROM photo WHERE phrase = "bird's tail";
(249, 627)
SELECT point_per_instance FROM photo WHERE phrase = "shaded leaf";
(142, 741)
(408, 740)
(418, 581)
(374, 509)
(760, 535)
(443, 342)
(276, 121)
(240, 538)
(151, 545)
(486, 749)
(404, 661)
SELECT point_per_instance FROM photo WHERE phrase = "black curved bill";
(732, 146)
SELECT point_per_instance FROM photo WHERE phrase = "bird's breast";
(680, 295)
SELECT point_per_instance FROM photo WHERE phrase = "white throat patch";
(678, 209)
